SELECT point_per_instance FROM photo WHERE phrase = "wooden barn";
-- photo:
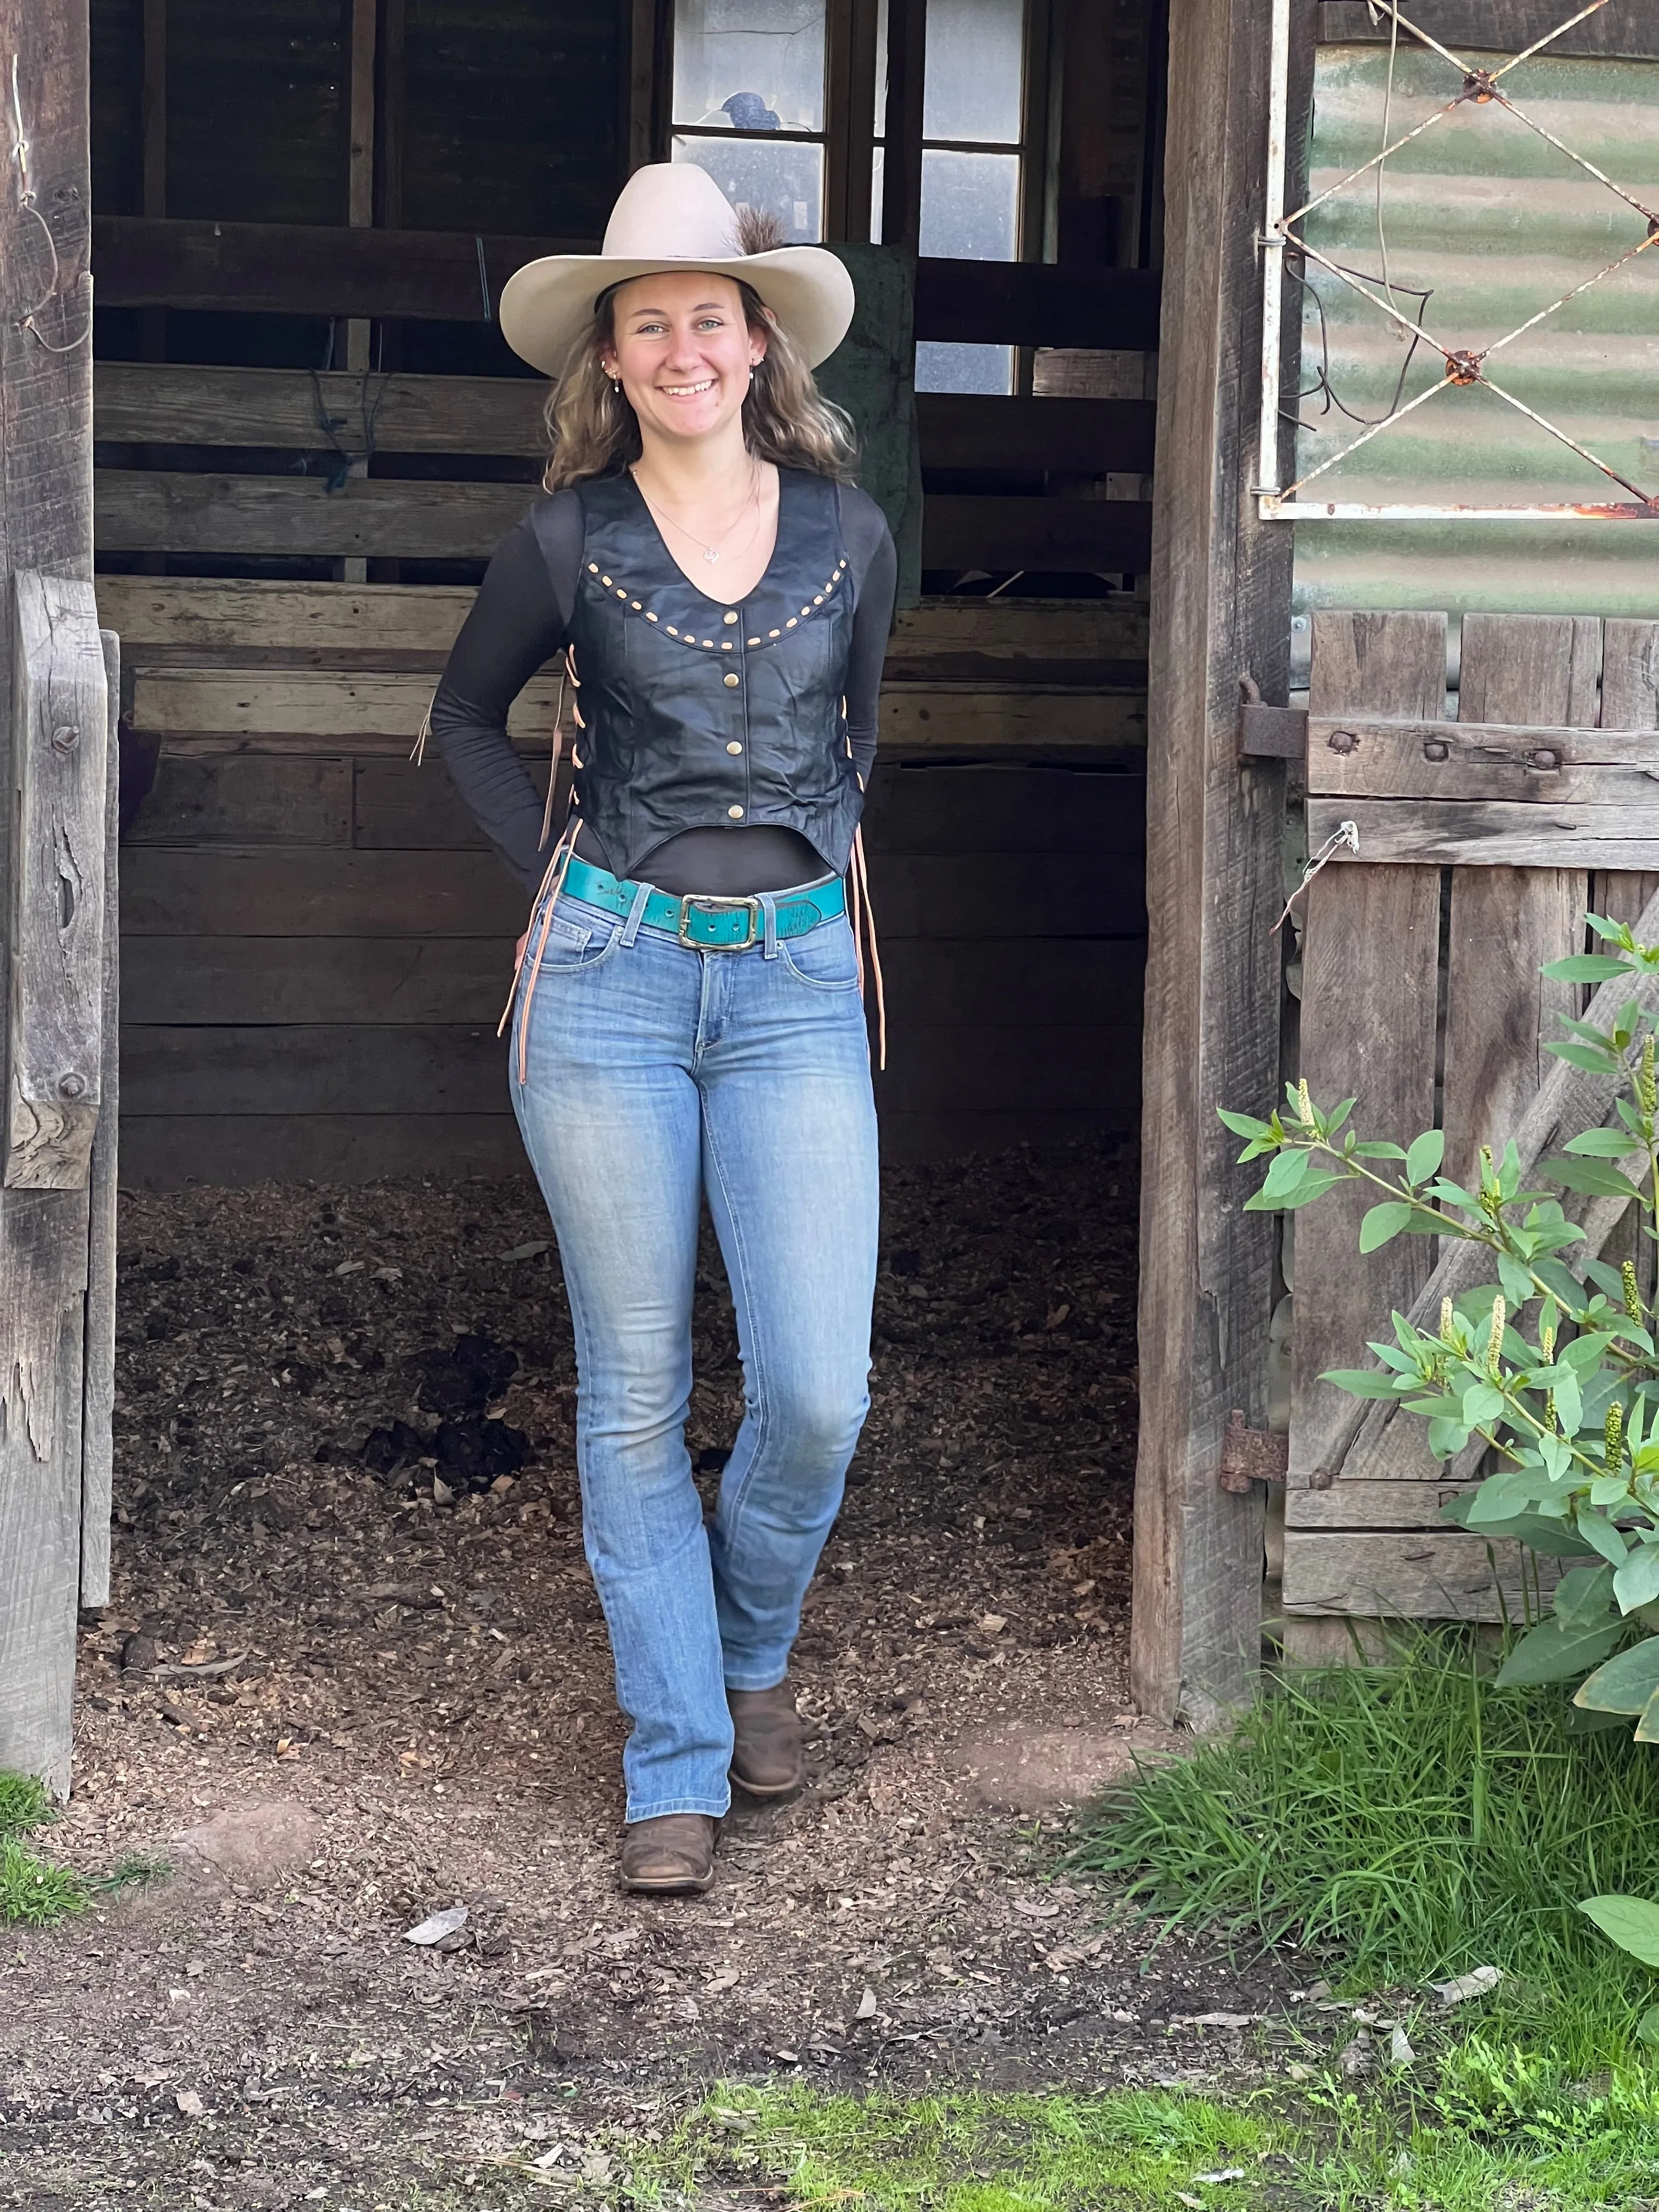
(259, 433)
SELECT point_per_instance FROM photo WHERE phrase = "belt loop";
(768, 907)
(636, 913)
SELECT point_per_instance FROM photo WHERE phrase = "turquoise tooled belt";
(707, 922)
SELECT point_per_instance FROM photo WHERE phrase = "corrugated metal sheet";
(1492, 224)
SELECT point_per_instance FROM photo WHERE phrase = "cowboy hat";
(672, 214)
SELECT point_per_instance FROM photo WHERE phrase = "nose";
(683, 351)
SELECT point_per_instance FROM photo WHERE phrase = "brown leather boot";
(671, 1854)
(767, 1758)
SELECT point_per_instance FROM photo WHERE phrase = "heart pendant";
(710, 555)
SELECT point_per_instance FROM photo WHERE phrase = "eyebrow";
(703, 307)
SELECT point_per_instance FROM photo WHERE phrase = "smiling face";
(684, 350)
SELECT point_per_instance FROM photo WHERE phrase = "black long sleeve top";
(521, 620)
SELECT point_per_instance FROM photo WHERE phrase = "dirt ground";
(354, 1674)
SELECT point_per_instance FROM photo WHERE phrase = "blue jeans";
(656, 1074)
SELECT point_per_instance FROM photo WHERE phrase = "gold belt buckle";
(714, 899)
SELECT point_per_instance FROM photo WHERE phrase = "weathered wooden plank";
(1491, 833)
(1434, 1574)
(143, 403)
(316, 979)
(215, 615)
(60, 714)
(286, 709)
(989, 807)
(920, 723)
(1370, 993)
(377, 1067)
(1214, 833)
(292, 269)
(1476, 26)
(967, 530)
(168, 1152)
(341, 707)
(159, 510)
(1506, 924)
(295, 269)
(169, 892)
(247, 799)
(98, 1380)
(1371, 1505)
(46, 507)
(163, 404)
(969, 431)
(306, 1067)
(1366, 759)
(1629, 700)
(175, 891)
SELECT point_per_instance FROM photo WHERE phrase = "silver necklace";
(711, 553)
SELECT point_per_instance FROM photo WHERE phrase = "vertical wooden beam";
(360, 211)
(153, 112)
(98, 1383)
(46, 524)
(389, 133)
(1221, 586)
(849, 118)
(907, 68)
(650, 82)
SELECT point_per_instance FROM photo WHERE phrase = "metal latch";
(1250, 1455)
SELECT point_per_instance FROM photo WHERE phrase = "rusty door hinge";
(1271, 733)
(1250, 1455)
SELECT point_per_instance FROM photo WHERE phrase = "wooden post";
(45, 527)
(1221, 586)
(901, 178)
(360, 216)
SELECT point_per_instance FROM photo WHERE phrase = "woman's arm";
(874, 564)
(519, 622)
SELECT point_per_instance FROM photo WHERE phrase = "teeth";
(689, 391)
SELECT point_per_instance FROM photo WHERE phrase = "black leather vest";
(695, 714)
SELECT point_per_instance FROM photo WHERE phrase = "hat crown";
(673, 208)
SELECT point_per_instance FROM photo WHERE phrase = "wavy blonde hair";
(593, 429)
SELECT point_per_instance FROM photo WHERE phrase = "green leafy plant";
(1554, 1365)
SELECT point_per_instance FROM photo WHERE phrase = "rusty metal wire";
(1465, 366)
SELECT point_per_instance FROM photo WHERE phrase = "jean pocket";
(825, 958)
(565, 942)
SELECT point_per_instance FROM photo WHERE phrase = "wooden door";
(1483, 842)
(56, 908)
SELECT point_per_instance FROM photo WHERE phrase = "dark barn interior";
(310, 435)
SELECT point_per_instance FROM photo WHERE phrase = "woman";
(687, 1021)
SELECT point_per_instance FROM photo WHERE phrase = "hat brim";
(546, 305)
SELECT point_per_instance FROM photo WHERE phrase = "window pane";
(783, 178)
(881, 69)
(970, 206)
(941, 367)
(749, 64)
(877, 172)
(975, 70)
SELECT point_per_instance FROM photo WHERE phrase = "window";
(973, 163)
(749, 86)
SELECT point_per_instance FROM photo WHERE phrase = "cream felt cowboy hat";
(672, 214)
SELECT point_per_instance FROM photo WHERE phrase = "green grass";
(34, 1894)
(1404, 1824)
(1490, 2141)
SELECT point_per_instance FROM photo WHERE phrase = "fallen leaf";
(1400, 2050)
(189, 2103)
(1035, 1909)
(866, 2006)
(727, 1979)
(1186, 2197)
(993, 1624)
(437, 1925)
(530, 1251)
(1223, 2173)
(1475, 1983)
(1224, 2019)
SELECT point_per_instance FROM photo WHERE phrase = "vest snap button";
(735, 813)
(731, 680)
(734, 747)
(728, 618)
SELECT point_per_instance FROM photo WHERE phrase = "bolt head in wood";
(66, 738)
(71, 1085)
